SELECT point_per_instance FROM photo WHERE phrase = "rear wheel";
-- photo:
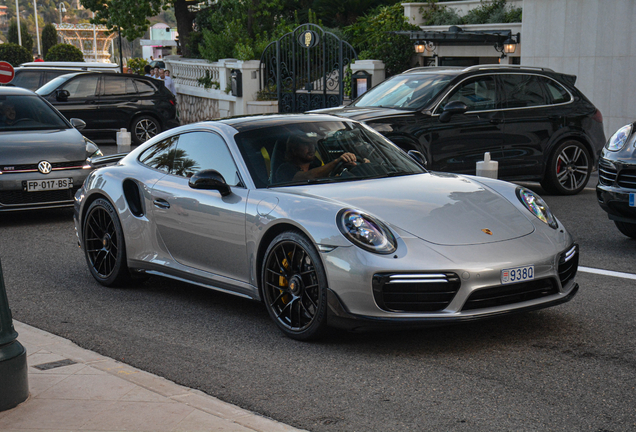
(568, 170)
(103, 244)
(295, 286)
(143, 128)
(629, 229)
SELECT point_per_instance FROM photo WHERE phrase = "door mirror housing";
(452, 108)
(62, 95)
(418, 157)
(210, 180)
(78, 124)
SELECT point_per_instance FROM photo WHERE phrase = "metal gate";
(305, 68)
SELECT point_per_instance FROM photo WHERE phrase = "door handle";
(161, 203)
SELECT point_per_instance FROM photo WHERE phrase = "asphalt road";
(571, 367)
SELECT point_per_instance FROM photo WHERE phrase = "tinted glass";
(266, 149)
(28, 113)
(52, 85)
(82, 86)
(117, 86)
(161, 155)
(198, 151)
(523, 91)
(27, 79)
(477, 93)
(144, 87)
(406, 92)
(557, 93)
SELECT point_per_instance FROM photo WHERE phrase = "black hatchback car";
(109, 102)
(533, 121)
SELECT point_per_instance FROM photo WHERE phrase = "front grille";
(421, 292)
(56, 166)
(509, 294)
(627, 178)
(15, 197)
(606, 172)
(568, 264)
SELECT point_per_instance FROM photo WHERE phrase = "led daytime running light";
(366, 232)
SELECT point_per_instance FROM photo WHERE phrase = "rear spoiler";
(570, 79)
(101, 161)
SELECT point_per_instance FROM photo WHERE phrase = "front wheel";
(629, 229)
(143, 128)
(295, 286)
(103, 244)
(568, 170)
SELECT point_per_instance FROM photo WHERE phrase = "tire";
(629, 229)
(294, 286)
(143, 128)
(103, 244)
(568, 169)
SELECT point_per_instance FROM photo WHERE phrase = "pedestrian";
(147, 71)
(151, 59)
(169, 82)
(161, 74)
(38, 58)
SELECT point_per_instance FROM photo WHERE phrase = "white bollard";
(123, 140)
(487, 168)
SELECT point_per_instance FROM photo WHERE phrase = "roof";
(245, 123)
(15, 91)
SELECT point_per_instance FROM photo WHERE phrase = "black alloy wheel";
(294, 286)
(569, 169)
(143, 128)
(103, 244)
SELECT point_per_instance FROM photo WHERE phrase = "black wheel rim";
(101, 242)
(572, 167)
(145, 129)
(292, 289)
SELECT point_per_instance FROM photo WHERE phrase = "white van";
(91, 66)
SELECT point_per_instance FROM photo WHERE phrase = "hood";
(444, 209)
(365, 114)
(28, 147)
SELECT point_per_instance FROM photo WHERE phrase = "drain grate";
(55, 364)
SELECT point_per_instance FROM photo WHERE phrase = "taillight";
(172, 102)
(598, 116)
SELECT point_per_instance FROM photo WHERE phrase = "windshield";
(320, 152)
(53, 84)
(28, 113)
(404, 92)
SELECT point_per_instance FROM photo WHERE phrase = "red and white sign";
(6, 72)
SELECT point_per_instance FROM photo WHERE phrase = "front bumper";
(616, 181)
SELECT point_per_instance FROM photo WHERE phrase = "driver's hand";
(348, 158)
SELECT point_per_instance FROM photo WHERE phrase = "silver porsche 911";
(324, 221)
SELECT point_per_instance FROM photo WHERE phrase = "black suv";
(108, 102)
(533, 121)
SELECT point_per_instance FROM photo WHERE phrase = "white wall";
(592, 39)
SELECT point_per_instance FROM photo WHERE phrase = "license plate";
(46, 185)
(517, 274)
(632, 199)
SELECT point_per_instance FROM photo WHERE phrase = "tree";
(27, 39)
(49, 38)
(64, 52)
(14, 54)
(131, 16)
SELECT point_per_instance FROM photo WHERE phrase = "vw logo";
(44, 167)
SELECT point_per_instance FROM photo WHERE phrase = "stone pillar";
(373, 67)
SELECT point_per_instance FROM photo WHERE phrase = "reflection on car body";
(376, 241)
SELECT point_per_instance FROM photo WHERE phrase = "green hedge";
(14, 54)
(64, 52)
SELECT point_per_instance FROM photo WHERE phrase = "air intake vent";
(421, 292)
(568, 264)
(510, 294)
(606, 172)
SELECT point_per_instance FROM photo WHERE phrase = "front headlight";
(91, 149)
(618, 140)
(537, 206)
(366, 232)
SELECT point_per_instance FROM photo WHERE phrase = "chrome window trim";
(504, 109)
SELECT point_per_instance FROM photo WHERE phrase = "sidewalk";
(73, 389)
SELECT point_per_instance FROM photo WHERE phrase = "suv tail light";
(598, 116)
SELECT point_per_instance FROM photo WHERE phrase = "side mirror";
(78, 124)
(210, 180)
(418, 157)
(62, 95)
(451, 108)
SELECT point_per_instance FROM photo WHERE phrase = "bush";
(137, 65)
(27, 39)
(49, 38)
(64, 52)
(14, 54)
(488, 12)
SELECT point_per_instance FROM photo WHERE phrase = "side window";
(197, 151)
(27, 79)
(523, 91)
(557, 93)
(161, 155)
(478, 93)
(144, 87)
(52, 74)
(118, 85)
(82, 86)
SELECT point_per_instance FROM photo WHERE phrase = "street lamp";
(62, 10)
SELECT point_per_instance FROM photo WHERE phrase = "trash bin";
(13, 365)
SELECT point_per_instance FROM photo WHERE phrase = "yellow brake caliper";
(283, 282)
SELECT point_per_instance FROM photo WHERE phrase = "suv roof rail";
(432, 68)
(505, 66)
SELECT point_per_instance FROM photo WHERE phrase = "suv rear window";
(523, 91)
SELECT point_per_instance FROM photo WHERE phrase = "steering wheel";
(338, 169)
